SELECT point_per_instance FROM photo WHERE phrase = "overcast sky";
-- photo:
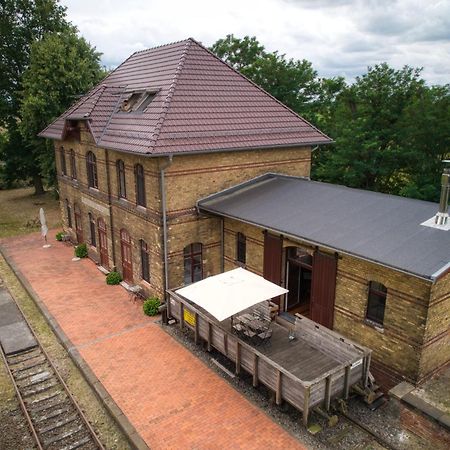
(340, 37)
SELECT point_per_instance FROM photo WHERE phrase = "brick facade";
(412, 343)
(187, 178)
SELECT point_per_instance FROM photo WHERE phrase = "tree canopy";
(62, 66)
(44, 66)
(391, 130)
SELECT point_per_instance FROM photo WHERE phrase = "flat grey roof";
(378, 227)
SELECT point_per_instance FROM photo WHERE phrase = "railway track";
(371, 433)
(55, 419)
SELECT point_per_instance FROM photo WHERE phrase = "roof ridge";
(119, 98)
(166, 104)
(162, 45)
(260, 88)
(101, 87)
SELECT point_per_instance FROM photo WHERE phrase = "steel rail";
(59, 378)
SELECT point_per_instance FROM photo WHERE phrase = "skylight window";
(137, 101)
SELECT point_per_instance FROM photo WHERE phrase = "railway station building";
(177, 167)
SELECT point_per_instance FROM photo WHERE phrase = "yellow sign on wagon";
(189, 317)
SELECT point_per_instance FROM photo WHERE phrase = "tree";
(62, 66)
(293, 82)
(22, 22)
(425, 132)
(370, 151)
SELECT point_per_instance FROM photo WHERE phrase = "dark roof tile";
(201, 105)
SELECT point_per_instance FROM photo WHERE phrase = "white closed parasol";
(44, 227)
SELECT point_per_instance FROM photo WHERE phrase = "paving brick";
(171, 398)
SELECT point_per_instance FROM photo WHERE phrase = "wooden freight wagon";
(308, 365)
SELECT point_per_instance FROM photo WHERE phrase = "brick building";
(173, 125)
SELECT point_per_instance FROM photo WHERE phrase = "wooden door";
(127, 264)
(323, 288)
(103, 243)
(273, 248)
(78, 224)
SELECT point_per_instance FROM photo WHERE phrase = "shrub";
(151, 306)
(59, 236)
(113, 278)
(81, 251)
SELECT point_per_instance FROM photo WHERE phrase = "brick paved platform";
(158, 384)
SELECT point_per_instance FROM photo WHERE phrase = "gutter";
(164, 218)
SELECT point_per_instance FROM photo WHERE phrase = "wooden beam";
(255, 370)
(209, 336)
(346, 382)
(225, 343)
(181, 316)
(327, 392)
(238, 357)
(196, 334)
(305, 412)
(367, 370)
(278, 391)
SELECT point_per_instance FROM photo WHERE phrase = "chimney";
(442, 216)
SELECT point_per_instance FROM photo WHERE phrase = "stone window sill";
(374, 325)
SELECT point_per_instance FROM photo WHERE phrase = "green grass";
(19, 211)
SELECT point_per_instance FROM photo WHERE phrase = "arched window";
(92, 230)
(193, 266)
(69, 214)
(62, 156)
(91, 166)
(376, 302)
(145, 260)
(241, 247)
(73, 166)
(140, 185)
(121, 186)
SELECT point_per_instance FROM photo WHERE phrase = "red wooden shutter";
(323, 288)
(273, 247)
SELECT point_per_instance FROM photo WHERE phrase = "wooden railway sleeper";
(62, 436)
(59, 424)
(77, 444)
(39, 390)
(52, 414)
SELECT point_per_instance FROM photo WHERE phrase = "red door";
(78, 224)
(273, 247)
(323, 288)
(125, 247)
(102, 243)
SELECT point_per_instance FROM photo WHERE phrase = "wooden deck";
(315, 368)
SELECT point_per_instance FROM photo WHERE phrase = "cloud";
(339, 37)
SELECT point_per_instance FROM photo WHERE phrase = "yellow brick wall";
(188, 178)
(192, 177)
(398, 344)
(436, 351)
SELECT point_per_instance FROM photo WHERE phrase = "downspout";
(222, 245)
(108, 182)
(164, 219)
